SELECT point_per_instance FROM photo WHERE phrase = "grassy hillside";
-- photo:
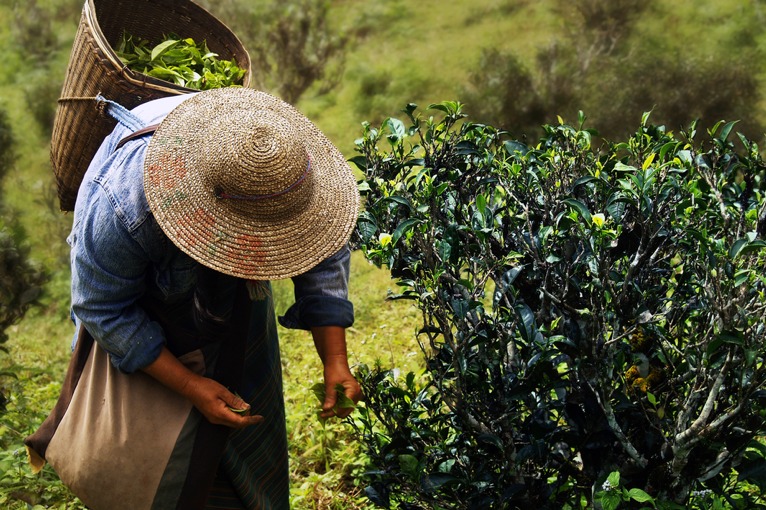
(426, 52)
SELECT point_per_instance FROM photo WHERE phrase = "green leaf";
(584, 180)
(581, 208)
(512, 146)
(526, 321)
(360, 162)
(378, 495)
(731, 337)
(403, 228)
(481, 203)
(319, 391)
(543, 235)
(640, 496)
(741, 277)
(616, 205)
(737, 247)
(439, 107)
(367, 226)
(397, 127)
(399, 200)
(611, 500)
(648, 161)
(343, 401)
(164, 74)
(491, 439)
(645, 116)
(755, 470)
(726, 130)
(752, 246)
(614, 478)
(652, 399)
(666, 148)
(445, 249)
(30, 295)
(410, 109)
(713, 346)
(409, 464)
(619, 167)
(162, 48)
(434, 481)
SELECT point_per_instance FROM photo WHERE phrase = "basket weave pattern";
(79, 127)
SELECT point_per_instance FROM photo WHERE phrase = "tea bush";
(21, 280)
(586, 311)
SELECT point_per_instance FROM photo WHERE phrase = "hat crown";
(224, 144)
(262, 156)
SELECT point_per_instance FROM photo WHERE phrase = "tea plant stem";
(716, 424)
(603, 402)
(627, 333)
(684, 436)
(686, 439)
(560, 303)
(716, 467)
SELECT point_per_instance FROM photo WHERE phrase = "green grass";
(326, 463)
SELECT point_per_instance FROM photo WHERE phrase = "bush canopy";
(593, 318)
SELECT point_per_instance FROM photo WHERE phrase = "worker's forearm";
(213, 400)
(171, 372)
(330, 342)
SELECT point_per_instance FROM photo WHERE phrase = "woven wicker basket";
(79, 127)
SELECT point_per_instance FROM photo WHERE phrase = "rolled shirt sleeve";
(108, 277)
(321, 295)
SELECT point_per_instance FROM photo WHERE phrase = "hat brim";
(279, 237)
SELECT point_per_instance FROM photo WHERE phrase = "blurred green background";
(516, 64)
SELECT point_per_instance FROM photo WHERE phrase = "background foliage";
(361, 60)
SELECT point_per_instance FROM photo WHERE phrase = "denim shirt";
(119, 252)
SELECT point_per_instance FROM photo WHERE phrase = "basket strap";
(148, 130)
(121, 114)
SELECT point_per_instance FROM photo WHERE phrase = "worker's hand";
(337, 372)
(210, 397)
(214, 401)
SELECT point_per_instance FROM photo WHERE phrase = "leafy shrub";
(7, 155)
(34, 30)
(585, 311)
(20, 279)
(41, 95)
(32, 394)
(290, 44)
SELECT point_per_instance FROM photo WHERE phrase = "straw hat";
(245, 184)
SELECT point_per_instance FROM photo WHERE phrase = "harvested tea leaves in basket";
(180, 61)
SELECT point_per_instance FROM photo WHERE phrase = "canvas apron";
(126, 441)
